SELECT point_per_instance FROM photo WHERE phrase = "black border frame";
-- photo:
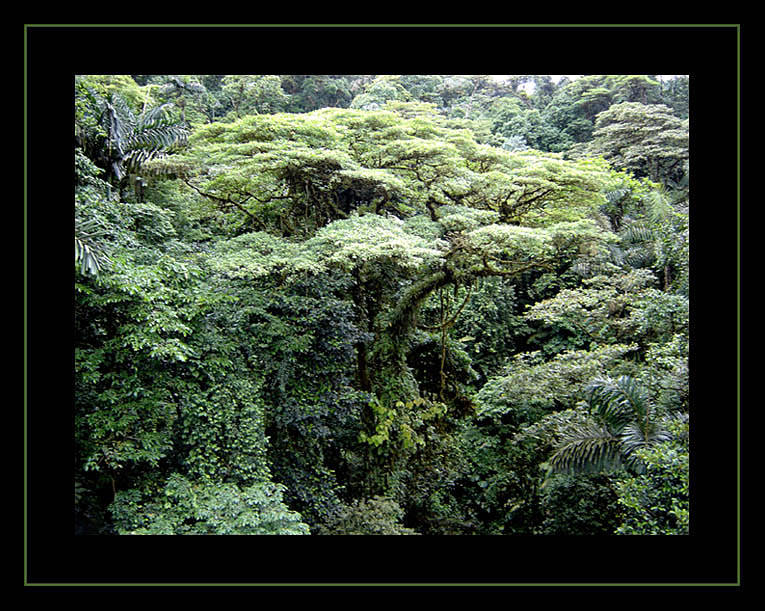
(709, 556)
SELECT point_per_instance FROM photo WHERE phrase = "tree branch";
(226, 200)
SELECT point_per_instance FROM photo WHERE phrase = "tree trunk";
(362, 367)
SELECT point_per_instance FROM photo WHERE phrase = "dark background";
(709, 555)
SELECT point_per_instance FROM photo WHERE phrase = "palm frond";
(658, 204)
(90, 254)
(133, 140)
(86, 257)
(616, 195)
(587, 447)
(152, 117)
(621, 424)
(636, 436)
(637, 233)
(616, 402)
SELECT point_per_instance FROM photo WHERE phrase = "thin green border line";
(393, 584)
(388, 584)
(738, 291)
(26, 449)
(381, 25)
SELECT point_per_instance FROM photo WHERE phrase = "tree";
(375, 516)
(648, 140)
(382, 89)
(404, 205)
(622, 421)
(196, 103)
(120, 141)
(605, 309)
(675, 94)
(254, 93)
(309, 92)
(633, 88)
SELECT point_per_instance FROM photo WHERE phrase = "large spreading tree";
(407, 207)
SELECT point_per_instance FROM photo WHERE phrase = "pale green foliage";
(344, 244)
(512, 241)
(464, 218)
(186, 507)
(522, 243)
(602, 310)
(421, 225)
(349, 243)
(375, 516)
(547, 185)
(530, 383)
(253, 255)
(304, 171)
(648, 139)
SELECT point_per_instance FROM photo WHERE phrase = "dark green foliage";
(584, 505)
(300, 339)
(309, 92)
(656, 502)
(499, 488)
(491, 326)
